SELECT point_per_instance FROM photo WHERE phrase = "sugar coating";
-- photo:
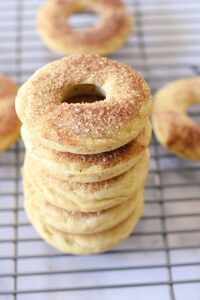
(40, 108)
(8, 117)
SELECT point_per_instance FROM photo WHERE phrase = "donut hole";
(83, 20)
(84, 93)
(194, 113)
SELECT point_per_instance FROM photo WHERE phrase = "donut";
(88, 168)
(76, 222)
(82, 244)
(9, 123)
(174, 129)
(76, 196)
(43, 105)
(107, 35)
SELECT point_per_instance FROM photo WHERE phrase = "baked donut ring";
(77, 222)
(82, 244)
(9, 123)
(76, 196)
(88, 168)
(84, 128)
(103, 38)
(173, 128)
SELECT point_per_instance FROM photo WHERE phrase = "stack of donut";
(86, 130)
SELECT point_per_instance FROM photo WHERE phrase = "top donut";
(107, 35)
(43, 104)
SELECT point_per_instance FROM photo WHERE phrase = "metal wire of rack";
(161, 260)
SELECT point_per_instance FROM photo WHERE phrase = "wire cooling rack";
(162, 259)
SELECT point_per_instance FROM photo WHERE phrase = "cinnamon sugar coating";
(108, 34)
(173, 127)
(84, 127)
(9, 123)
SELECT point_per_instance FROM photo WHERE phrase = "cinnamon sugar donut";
(103, 38)
(44, 108)
(82, 196)
(9, 123)
(88, 168)
(77, 222)
(86, 243)
(173, 128)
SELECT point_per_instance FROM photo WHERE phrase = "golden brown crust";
(83, 244)
(105, 160)
(59, 35)
(52, 17)
(87, 196)
(9, 123)
(186, 134)
(87, 168)
(78, 222)
(174, 129)
(85, 127)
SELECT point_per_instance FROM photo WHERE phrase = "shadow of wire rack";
(162, 259)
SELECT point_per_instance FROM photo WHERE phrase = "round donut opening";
(83, 20)
(194, 112)
(84, 93)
